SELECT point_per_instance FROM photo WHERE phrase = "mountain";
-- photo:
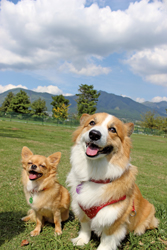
(159, 107)
(122, 107)
(36, 95)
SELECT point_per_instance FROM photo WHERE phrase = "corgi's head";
(104, 135)
(39, 167)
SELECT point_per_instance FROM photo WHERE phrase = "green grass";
(149, 153)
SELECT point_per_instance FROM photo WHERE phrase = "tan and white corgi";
(48, 199)
(105, 197)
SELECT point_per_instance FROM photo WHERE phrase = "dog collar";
(101, 181)
(92, 211)
(78, 188)
(32, 192)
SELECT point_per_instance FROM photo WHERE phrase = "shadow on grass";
(11, 134)
(63, 223)
(10, 225)
(71, 218)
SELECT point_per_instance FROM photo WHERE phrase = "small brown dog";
(48, 199)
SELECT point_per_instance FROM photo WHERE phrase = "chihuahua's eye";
(30, 163)
(92, 123)
(42, 166)
(112, 129)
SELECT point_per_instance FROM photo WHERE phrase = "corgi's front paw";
(58, 231)
(80, 241)
(35, 232)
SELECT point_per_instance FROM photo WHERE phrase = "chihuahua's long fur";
(102, 173)
(49, 201)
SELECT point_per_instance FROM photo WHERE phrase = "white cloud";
(141, 100)
(68, 94)
(126, 96)
(158, 79)
(42, 34)
(89, 70)
(151, 64)
(10, 86)
(159, 99)
(49, 89)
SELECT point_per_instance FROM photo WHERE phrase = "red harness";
(92, 211)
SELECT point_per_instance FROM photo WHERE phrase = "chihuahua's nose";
(94, 135)
(33, 167)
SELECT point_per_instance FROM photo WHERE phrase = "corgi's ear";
(54, 158)
(83, 118)
(130, 128)
(26, 153)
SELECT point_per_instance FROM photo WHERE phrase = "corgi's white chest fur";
(91, 194)
(85, 168)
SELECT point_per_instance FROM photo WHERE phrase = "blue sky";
(119, 46)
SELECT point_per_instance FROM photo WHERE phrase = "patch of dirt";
(15, 129)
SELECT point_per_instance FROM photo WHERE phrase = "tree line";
(20, 103)
(151, 121)
(87, 99)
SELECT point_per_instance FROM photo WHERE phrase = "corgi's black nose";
(94, 135)
(33, 167)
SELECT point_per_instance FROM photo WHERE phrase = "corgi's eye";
(92, 123)
(112, 129)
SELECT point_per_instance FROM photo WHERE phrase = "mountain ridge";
(122, 107)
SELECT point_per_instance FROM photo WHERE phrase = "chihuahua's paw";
(58, 232)
(26, 218)
(80, 241)
(35, 232)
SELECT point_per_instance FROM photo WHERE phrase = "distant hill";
(36, 95)
(159, 107)
(122, 107)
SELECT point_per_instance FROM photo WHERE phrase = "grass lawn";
(149, 153)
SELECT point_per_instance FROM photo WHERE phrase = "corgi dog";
(105, 197)
(49, 201)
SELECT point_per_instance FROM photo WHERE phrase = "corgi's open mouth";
(34, 175)
(93, 150)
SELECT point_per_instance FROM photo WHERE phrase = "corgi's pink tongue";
(33, 176)
(92, 150)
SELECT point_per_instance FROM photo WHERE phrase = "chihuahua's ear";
(26, 153)
(54, 158)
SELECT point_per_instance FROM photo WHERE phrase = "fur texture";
(102, 151)
(50, 200)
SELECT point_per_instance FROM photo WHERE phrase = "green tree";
(7, 101)
(148, 120)
(87, 99)
(38, 108)
(161, 123)
(60, 107)
(20, 103)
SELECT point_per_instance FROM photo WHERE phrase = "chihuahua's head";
(38, 166)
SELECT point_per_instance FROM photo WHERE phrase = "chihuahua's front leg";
(57, 221)
(39, 223)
